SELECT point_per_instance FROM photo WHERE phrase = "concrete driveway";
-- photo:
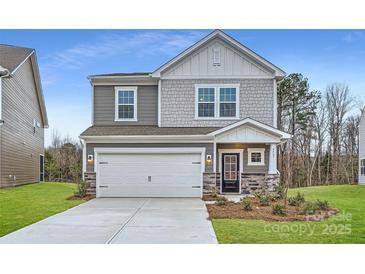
(123, 220)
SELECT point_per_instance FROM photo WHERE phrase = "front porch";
(244, 159)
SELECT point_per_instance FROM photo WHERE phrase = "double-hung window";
(227, 102)
(362, 166)
(217, 101)
(206, 102)
(126, 104)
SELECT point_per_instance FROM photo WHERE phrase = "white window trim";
(217, 101)
(256, 150)
(125, 88)
(361, 166)
(227, 150)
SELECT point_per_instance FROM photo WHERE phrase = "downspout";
(3, 73)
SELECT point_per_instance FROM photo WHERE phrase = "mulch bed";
(235, 211)
(86, 198)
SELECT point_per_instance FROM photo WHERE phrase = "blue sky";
(67, 57)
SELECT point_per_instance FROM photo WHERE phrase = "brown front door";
(230, 173)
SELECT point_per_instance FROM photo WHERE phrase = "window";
(126, 104)
(206, 102)
(362, 166)
(256, 156)
(217, 101)
(227, 102)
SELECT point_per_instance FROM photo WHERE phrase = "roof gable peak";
(279, 73)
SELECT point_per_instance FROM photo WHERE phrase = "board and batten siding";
(90, 150)
(361, 146)
(201, 63)
(104, 106)
(20, 146)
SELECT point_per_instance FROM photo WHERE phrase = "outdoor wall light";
(90, 158)
(209, 158)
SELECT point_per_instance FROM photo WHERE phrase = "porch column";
(273, 159)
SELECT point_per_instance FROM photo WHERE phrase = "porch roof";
(249, 130)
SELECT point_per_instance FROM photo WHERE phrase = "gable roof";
(279, 73)
(127, 74)
(11, 58)
(257, 124)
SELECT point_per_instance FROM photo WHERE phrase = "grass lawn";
(347, 227)
(24, 205)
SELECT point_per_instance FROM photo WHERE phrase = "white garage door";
(149, 175)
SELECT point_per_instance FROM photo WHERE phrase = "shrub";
(246, 204)
(214, 193)
(258, 195)
(81, 189)
(310, 208)
(278, 209)
(296, 200)
(323, 205)
(274, 197)
(264, 200)
(221, 200)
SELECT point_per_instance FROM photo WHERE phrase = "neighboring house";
(22, 117)
(204, 121)
(362, 149)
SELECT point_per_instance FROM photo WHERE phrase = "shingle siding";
(104, 106)
(20, 146)
(178, 102)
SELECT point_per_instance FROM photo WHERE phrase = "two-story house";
(205, 120)
(23, 117)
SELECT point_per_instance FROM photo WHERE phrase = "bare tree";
(338, 104)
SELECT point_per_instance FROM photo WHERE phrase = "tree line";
(63, 159)
(324, 126)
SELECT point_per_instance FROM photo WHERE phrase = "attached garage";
(149, 172)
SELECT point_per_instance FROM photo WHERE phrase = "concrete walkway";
(123, 220)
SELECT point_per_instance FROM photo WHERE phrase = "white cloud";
(354, 36)
(140, 43)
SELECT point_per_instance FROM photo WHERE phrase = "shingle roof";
(122, 74)
(11, 56)
(145, 130)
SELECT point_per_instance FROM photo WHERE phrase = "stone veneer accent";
(90, 180)
(211, 181)
(250, 182)
(178, 101)
(258, 182)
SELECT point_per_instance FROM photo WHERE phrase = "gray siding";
(178, 102)
(20, 146)
(246, 167)
(104, 106)
(90, 150)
